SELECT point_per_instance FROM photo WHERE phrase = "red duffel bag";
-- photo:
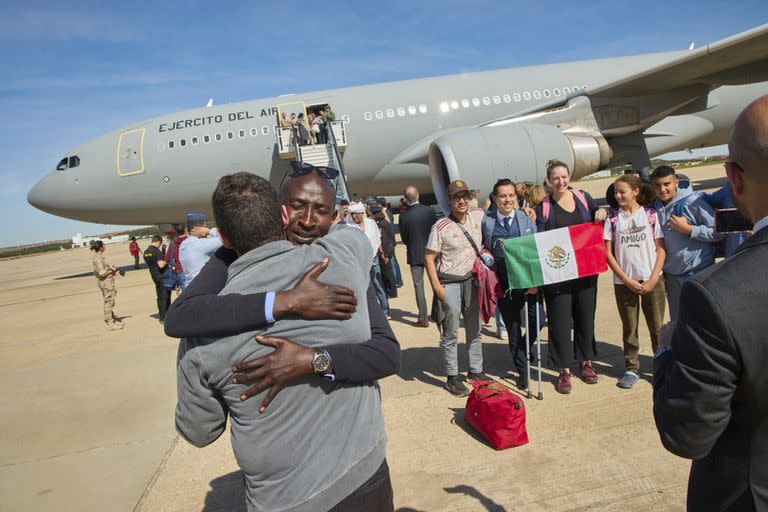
(497, 413)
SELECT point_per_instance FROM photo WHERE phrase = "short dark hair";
(662, 171)
(157, 238)
(96, 245)
(504, 182)
(247, 211)
(344, 202)
(382, 202)
(179, 229)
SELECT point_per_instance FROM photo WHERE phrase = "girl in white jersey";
(635, 249)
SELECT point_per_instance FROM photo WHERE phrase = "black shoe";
(472, 376)
(522, 382)
(455, 386)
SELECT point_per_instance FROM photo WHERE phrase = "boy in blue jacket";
(687, 222)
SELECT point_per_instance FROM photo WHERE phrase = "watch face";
(321, 362)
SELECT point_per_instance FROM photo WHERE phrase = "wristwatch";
(321, 363)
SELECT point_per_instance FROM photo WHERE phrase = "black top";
(387, 237)
(200, 312)
(563, 218)
(152, 255)
(415, 224)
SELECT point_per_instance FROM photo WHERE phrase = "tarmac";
(88, 421)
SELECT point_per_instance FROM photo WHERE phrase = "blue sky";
(75, 70)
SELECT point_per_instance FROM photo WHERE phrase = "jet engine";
(520, 152)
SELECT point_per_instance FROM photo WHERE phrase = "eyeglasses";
(302, 168)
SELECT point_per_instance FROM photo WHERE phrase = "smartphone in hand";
(730, 220)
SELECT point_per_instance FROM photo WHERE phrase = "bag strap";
(469, 237)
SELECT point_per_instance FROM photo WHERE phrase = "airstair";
(319, 155)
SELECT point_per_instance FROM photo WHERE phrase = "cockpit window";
(62, 165)
(74, 161)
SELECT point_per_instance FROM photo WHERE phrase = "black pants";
(388, 276)
(510, 306)
(375, 495)
(163, 299)
(571, 303)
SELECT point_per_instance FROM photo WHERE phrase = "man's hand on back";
(288, 362)
(312, 300)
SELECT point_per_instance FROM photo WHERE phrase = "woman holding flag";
(571, 302)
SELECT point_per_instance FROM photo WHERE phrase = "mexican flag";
(555, 256)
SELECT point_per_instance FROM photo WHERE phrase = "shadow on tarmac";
(227, 494)
(425, 364)
(124, 268)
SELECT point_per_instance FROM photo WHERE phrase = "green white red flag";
(555, 256)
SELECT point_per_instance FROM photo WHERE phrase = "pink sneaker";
(564, 382)
(588, 373)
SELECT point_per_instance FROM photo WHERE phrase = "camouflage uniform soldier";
(105, 274)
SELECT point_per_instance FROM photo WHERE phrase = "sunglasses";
(302, 168)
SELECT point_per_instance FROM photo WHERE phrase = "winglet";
(210, 103)
(693, 45)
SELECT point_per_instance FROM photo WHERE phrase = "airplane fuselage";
(179, 157)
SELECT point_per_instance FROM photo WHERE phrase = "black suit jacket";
(415, 224)
(710, 392)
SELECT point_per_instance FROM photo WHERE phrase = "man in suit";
(710, 382)
(415, 224)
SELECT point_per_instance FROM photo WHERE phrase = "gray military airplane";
(475, 126)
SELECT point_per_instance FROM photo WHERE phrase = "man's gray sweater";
(319, 440)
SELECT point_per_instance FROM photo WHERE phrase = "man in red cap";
(451, 251)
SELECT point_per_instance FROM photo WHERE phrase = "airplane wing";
(735, 60)
(660, 91)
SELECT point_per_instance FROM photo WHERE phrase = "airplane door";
(130, 153)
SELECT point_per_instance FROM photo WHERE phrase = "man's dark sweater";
(200, 312)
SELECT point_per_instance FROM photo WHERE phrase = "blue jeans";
(396, 270)
(378, 284)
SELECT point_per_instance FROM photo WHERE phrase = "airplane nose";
(45, 195)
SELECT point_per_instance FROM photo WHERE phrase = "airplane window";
(475, 102)
(575, 88)
(423, 108)
(345, 119)
(390, 113)
(62, 166)
(218, 137)
(486, 100)
(183, 142)
(454, 105)
(379, 114)
(254, 132)
(74, 161)
(411, 110)
(527, 96)
(444, 107)
(566, 90)
(537, 95)
(556, 91)
(241, 134)
(265, 130)
(171, 144)
(507, 99)
(547, 93)
(195, 141)
(401, 111)
(206, 138)
(367, 116)
(496, 100)
(465, 103)
(517, 97)
(230, 135)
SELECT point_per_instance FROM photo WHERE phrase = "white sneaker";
(502, 334)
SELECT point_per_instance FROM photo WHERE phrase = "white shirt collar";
(760, 224)
(502, 217)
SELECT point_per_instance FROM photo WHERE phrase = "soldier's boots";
(115, 326)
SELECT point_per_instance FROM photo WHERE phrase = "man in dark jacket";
(709, 398)
(415, 225)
